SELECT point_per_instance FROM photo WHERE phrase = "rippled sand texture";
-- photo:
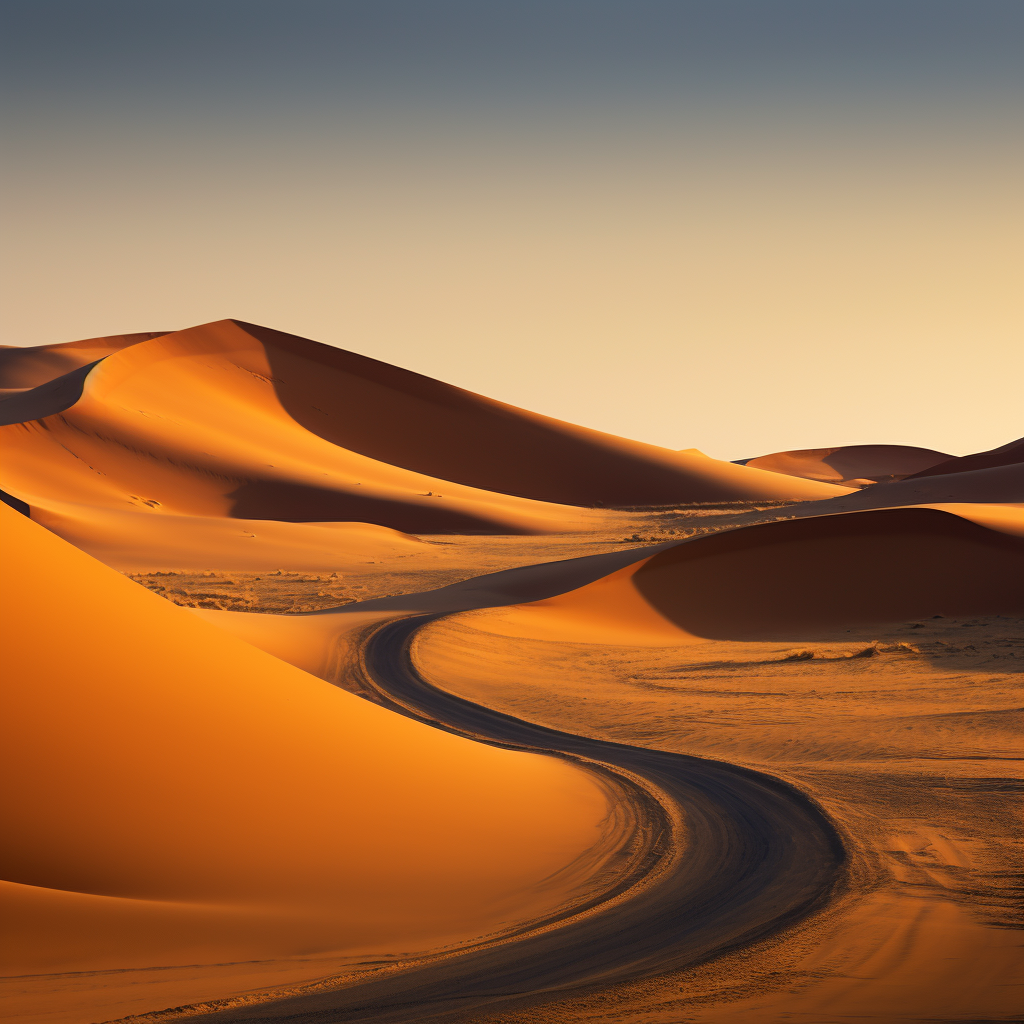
(456, 712)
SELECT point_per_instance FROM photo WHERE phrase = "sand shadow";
(800, 578)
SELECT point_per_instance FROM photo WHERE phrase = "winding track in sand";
(755, 856)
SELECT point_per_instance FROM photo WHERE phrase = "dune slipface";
(791, 579)
(232, 421)
(184, 798)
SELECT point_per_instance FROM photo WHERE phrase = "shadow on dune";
(1007, 455)
(32, 366)
(298, 503)
(864, 462)
(419, 424)
(792, 579)
(45, 400)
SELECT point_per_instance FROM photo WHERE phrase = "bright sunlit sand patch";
(185, 798)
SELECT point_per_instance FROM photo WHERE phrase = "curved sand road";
(754, 856)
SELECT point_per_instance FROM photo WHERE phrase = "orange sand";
(194, 817)
(231, 421)
(185, 798)
(30, 366)
(790, 579)
(808, 649)
(855, 465)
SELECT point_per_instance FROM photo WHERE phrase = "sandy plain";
(643, 736)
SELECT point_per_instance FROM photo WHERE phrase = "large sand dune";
(405, 419)
(183, 797)
(232, 421)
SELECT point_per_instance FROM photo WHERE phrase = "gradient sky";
(737, 226)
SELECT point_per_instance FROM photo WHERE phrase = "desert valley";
(338, 693)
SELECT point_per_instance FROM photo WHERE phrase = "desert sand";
(233, 421)
(856, 465)
(23, 368)
(338, 693)
(183, 796)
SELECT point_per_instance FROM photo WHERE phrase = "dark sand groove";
(757, 856)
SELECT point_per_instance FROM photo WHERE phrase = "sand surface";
(186, 799)
(225, 424)
(1004, 455)
(856, 465)
(338, 693)
(27, 367)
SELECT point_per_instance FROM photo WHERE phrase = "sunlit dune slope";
(790, 579)
(1007, 455)
(29, 367)
(852, 465)
(135, 541)
(190, 425)
(184, 798)
(235, 420)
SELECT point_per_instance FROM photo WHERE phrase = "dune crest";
(30, 366)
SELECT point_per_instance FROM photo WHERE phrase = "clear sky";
(738, 226)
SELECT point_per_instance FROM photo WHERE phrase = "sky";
(743, 227)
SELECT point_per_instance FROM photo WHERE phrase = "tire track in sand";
(756, 856)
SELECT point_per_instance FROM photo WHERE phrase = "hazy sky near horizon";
(738, 226)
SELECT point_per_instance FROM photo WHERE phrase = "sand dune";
(231, 420)
(1007, 455)
(30, 366)
(997, 485)
(200, 814)
(189, 425)
(855, 465)
(790, 579)
(903, 727)
(184, 798)
(370, 407)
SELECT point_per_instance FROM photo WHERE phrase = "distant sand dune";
(789, 579)
(995, 485)
(853, 465)
(1007, 455)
